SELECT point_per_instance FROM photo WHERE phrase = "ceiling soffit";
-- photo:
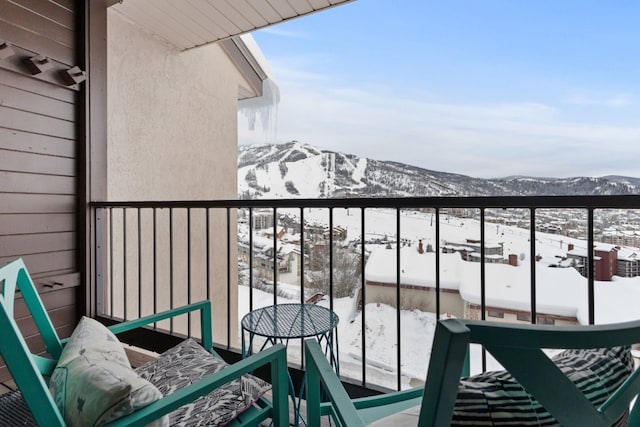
(191, 23)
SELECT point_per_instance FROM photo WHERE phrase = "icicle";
(266, 107)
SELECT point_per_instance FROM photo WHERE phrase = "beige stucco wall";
(418, 298)
(172, 135)
(472, 311)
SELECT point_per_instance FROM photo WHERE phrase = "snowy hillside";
(295, 169)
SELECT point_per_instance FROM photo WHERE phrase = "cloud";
(613, 101)
(483, 140)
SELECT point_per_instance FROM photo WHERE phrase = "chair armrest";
(448, 356)
(619, 401)
(205, 321)
(275, 356)
(321, 377)
(388, 398)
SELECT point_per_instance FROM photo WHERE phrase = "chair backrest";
(28, 370)
(519, 349)
(448, 360)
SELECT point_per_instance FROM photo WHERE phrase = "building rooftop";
(559, 291)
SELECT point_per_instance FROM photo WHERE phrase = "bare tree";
(346, 271)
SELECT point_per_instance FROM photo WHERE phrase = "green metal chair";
(436, 399)
(30, 371)
(518, 348)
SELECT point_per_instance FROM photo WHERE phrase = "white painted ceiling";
(191, 23)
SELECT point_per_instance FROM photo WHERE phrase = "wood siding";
(39, 154)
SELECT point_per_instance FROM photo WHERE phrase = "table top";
(290, 321)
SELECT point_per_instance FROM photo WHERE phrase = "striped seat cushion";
(497, 399)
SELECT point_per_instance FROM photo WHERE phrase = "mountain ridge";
(295, 169)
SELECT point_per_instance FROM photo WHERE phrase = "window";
(495, 313)
(545, 320)
(524, 317)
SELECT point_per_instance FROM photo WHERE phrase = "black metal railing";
(156, 255)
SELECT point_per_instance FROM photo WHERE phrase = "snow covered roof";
(473, 244)
(559, 291)
(509, 287)
(627, 254)
(488, 256)
(582, 253)
(415, 269)
(605, 247)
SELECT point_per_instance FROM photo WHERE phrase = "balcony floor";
(6, 387)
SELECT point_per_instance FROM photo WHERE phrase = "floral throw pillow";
(93, 382)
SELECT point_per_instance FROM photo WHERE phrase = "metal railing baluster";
(275, 257)
(228, 278)
(250, 259)
(363, 295)
(532, 262)
(124, 263)
(592, 268)
(121, 236)
(398, 303)
(171, 267)
(189, 269)
(437, 249)
(139, 263)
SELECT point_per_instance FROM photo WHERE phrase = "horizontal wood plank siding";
(24, 244)
(52, 300)
(37, 30)
(67, 4)
(36, 203)
(39, 187)
(36, 123)
(60, 305)
(19, 99)
(54, 31)
(45, 184)
(62, 15)
(37, 223)
(43, 265)
(17, 80)
(39, 163)
(14, 140)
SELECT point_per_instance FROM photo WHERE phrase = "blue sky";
(485, 88)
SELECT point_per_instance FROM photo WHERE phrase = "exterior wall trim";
(92, 141)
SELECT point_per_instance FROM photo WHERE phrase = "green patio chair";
(590, 383)
(35, 374)
(434, 406)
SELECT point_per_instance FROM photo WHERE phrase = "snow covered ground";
(381, 341)
(615, 301)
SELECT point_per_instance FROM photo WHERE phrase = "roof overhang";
(245, 55)
(187, 24)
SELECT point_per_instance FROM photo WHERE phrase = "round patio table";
(282, 322)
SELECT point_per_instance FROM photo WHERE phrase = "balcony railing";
(156, 255)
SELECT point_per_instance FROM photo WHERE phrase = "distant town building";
(262, 219)
(288, 257)
(268, 232)
(621, 237)
(469, 250)
(605, 261)
(339, 233)
(628, 262)
(507, 291)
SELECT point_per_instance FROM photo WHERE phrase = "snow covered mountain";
(295, 169)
